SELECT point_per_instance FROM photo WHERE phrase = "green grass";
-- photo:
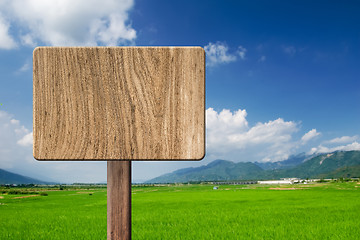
(314, 211)
(60, 215)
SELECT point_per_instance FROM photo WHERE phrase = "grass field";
(313, 211)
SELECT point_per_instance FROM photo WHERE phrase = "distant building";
(282, 181)
(234, 183)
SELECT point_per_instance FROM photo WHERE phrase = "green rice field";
(313, 211)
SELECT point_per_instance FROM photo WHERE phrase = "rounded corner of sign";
(37, 158)
(201, 157)
(36, 50)
(201, 49)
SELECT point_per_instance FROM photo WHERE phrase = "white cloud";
(6, 41)
(270, 132)
(218, 53)
(230, 137)
(28, 40)
(24, 68)
(27, 140)
(11, 131)
(349, 143)
(21, 130)
(220, 125)
(309, 135)
(226, 120)
(241, 51)
(343, 139)
(14, 121)
(322, 149)
(67, 22)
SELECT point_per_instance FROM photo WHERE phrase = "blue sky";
(281, 77)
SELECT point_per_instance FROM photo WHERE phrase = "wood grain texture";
(110, 103)
(118, 200)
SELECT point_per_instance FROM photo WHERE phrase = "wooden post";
(118, 200)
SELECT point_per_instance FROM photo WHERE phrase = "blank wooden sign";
(119, 103)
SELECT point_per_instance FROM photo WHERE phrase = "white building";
(282, 181)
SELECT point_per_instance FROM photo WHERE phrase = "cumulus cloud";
(230, 136)
(6, 41)
(28, 40)
(322, 149)
(270, 132)
(348, 143)
(343, 139)
(218, 53)
(226, 121)
(221, 125)
(67, 22)
(309, 135)
(27, 140)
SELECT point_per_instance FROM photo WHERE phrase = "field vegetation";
(329, 210)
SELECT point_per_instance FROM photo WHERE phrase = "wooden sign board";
(119, 103)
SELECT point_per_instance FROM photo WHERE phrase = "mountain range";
(338, 164)
(7, 177)
(329, 165)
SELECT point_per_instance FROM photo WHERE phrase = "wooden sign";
(119, 103)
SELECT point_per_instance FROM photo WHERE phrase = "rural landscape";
(267, 92)
(327, 207)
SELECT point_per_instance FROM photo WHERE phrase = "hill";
(329, 165)
(218, 170)
(13, 178)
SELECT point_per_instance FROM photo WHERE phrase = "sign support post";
(118, 200)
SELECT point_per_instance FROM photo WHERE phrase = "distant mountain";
(329, 165)
(292, 161)
(13, 178)
(218, 170)
(344, 172)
